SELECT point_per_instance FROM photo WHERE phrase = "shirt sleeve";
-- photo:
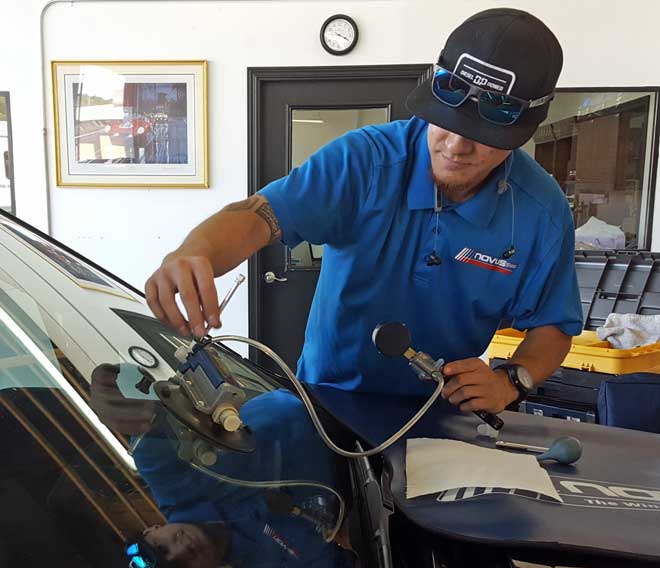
(319, 201)
(551, 295)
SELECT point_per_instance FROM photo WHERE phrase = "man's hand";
(125, 415)
(473, 385)
(213, 248)
(192, 277)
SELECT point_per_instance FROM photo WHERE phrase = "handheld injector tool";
(392, 339)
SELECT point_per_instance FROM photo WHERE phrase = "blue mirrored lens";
(449, 88)
(139, 562)
(501, 109)
(140, 557)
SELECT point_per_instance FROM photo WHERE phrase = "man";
(441, 222)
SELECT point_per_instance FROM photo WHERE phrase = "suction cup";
(176, 402)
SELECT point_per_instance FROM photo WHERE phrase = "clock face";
(339, 35)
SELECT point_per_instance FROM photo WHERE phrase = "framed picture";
(130, 123)
(85, 276)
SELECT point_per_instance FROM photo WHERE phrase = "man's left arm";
(473, 385)
(549, 309)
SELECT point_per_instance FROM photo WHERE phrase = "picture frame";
(75, 269)
(131, 123)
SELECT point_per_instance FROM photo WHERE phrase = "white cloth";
(599, 235)
(435, 465)
(626, 331)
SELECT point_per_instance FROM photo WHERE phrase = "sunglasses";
(497, 108)
(141, 555)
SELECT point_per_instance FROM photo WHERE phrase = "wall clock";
(339, 34)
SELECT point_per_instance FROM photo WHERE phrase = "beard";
(456, 192)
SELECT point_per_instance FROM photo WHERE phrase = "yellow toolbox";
(610, 282)
(588, 353)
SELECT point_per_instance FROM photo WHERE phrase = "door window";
(310, 130)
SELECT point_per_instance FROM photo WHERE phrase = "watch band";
(512, 372)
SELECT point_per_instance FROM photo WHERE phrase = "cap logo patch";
(484, 74)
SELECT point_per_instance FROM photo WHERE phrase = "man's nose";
(146, 531)
(457, 145)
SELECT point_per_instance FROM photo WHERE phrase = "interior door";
(7, 198)
(293, 112)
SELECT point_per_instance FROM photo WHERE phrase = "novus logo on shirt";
(471, 256)
(279, 539)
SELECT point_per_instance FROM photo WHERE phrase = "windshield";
(126, 444)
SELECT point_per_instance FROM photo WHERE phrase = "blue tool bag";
(631, 401)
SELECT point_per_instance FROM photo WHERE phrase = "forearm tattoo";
(261, 207)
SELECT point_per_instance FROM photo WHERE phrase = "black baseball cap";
(510, 46)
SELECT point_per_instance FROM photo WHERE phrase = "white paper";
(434, 465)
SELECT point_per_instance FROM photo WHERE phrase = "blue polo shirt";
(370, 199)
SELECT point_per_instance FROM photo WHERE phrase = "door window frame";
(10, 147)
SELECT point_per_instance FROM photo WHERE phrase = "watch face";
(525, 378)
(339, 34)
(143, 357)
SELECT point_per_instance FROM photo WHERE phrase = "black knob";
(145, 382)
(392, 339)
(279, 501)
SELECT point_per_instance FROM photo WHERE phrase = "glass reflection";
(271, 503)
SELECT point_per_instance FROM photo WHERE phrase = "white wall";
(130, 230)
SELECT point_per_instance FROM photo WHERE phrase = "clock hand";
(342, 36)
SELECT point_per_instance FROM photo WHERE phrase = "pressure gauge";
(143, 357)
